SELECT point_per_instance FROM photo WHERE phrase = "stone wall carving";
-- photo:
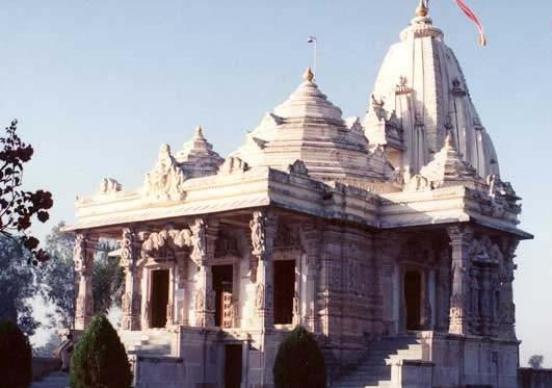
(483, 304)
(233, 165)
(258, 234)
(110, 186)
(198, 241)
(166, 181)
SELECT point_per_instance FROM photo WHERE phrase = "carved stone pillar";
(263, 232)
(460, 240)
(427, 308)
(506, 307)
(203, 245)
(443, 291)
(311, 244)
(388, 246)
(83, 257)
(130, 251)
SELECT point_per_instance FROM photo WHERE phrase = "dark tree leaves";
(17, 206)
(16, 285)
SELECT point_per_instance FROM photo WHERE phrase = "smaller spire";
(423, 9)
(308, 75)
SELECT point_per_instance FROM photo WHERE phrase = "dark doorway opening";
(284, 291)
(222, 285)
(232, 366)
(159, 298)
(413, 299)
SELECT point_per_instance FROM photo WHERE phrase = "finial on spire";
(199, 131)
(308, 75)
(423, 8)
(448, 139)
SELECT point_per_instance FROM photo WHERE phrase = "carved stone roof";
(308, 127)
(197, 158)
(422, 84)
(448, 166)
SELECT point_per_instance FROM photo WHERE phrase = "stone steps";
(153, 342)
(53, 380)
(374, 370)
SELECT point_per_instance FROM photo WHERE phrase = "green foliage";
(299, 362)
(17, 285)
(108, 278)
(56, 277)
(99, 359)
(15, 357)
(536, 361)
(58, 282)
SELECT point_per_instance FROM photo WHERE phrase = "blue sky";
(99, 85)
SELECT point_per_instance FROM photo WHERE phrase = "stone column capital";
(83, 253)
(460, 233)
(263, 225)
(198, 241)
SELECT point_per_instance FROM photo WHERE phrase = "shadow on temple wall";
(535, 378)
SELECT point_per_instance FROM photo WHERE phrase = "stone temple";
(392, 238)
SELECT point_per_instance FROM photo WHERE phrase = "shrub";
(99, 359)
(15, 357)
(299, 362)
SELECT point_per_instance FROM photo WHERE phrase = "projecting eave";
(447, 205)
(207, 195)
(256, 187)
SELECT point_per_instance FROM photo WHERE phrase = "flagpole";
(314, 41)
(315, 56)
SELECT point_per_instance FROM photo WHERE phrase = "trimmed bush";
(99, 359)
(299, 362)
(15, 357)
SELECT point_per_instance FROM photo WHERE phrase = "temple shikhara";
(390, 237)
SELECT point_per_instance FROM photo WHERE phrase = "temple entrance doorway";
(222, 285)
(284, 291)
(413, 299)
(232, 366)
(159, 298)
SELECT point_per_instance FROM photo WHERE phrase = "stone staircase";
(52, 380)
(155, 342)
(374, 370)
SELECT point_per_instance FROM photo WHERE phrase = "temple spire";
(423, 8)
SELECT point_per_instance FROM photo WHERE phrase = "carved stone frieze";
(167, 238)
